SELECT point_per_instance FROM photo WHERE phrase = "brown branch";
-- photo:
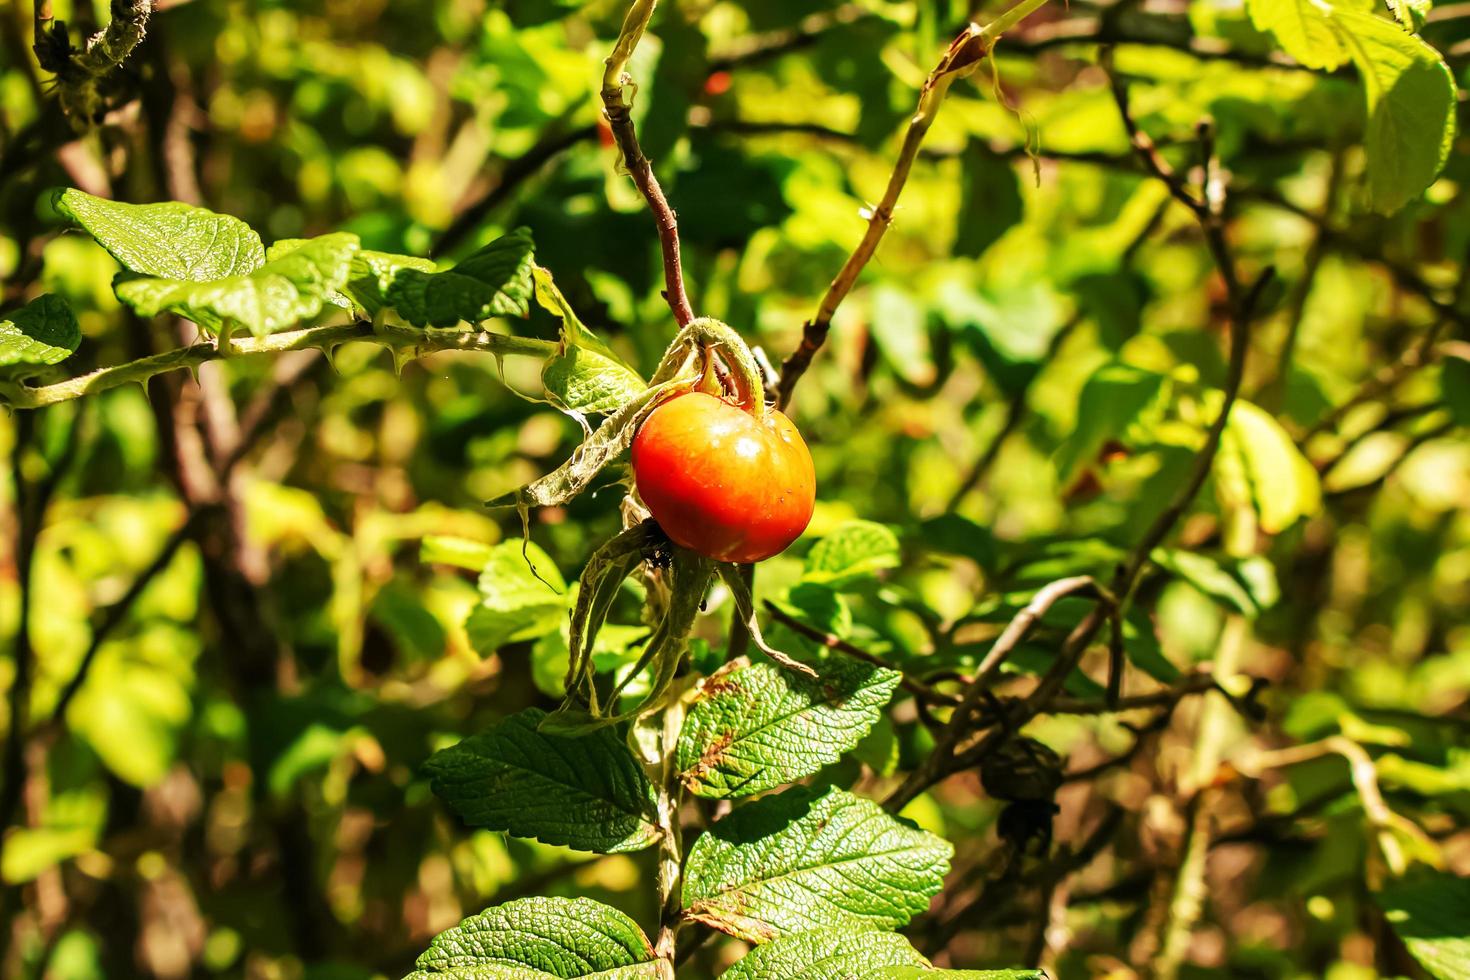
(909, 683)
(964, 55)
(620, 119)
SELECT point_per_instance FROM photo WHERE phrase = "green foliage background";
(238, 786)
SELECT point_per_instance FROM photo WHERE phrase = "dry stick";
(909, 683)
(963, 57)
(326, 337)
(935, 765)
(620, 118)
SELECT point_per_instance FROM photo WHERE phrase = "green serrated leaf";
(585, 375)
(541, 939)
(373, 275)
(495, 281)
(754, 727)
(797, 860)
(587, 793)
(855, 551)
(168, 240)
(1304, 29)
(522, 596)
(43, 332)
(1432, 916)
(275, 296)
(826, 954)
(1411, 107)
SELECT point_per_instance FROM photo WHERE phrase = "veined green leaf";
(826, 954)
(1411, 107)
(585, 375)
(275, 296)
(1304, 29)
(522, 596)
(855, 551)
(587, 793)
(756, 726)
(168, 240)
(495, 281)
(43, 332)
(798, 860)
(541, 939)
(1432, 916)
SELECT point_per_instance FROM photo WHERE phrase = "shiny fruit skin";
(721, 481)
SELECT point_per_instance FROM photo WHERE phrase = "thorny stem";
(620, 119)
(325, 337)
(964, 55)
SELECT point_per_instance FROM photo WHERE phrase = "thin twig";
(909, 683)
(325, 337)
(620, 119)
(965, 54)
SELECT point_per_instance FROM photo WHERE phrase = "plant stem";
(671, 844)
(325, 337)
(964, 55)
(620, 119)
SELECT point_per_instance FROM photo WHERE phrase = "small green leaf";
(373, 275)
(495, 281)
(169, 240)
(1219, 578)
(42, 332)
(755, 727)
(853, 552)
(522, 596)
(1260, 466)
(826, 954)
(584, 375)
(1432, 916)
(1411, 13)
(797, 860)
(276, 296)
(541, 939)
(587, 793)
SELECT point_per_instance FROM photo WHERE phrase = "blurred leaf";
(522, 596)
(1141, 644)
(472, 556)
(1243, 586)
(43, 332)
(587, 793)
(922, 973)
(770, 868)
(1119, 402)
(753, 727)
(955, 534)
(990, 199)
(495, 281)
(552, 938)
(167, 241)
(1305, 29)
(275, 296)
(854, 552)
(825, 954)
(878, 750)
(1430, 915)
(1260, 466)
(900, 330)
